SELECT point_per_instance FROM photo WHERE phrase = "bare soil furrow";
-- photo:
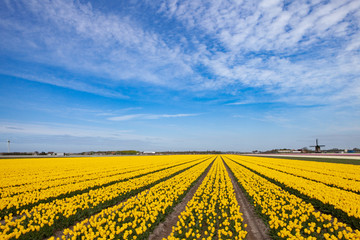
(256, 228)
(164, 229)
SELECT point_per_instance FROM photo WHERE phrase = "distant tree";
(305, 150)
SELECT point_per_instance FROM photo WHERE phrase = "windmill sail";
(317, 146)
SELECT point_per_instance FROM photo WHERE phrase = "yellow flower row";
(289, 217)
(347, 171)
(47, 214)
(346, 201)
(34, 195)
(30, 171)
(44, 181)
(213, 212)
(342, 176)
(138, 215)
(17, 172)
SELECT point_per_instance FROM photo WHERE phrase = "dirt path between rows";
(256, 228)
(164, 229)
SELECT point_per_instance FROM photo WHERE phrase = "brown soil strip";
(164, 229)
(256, 228)
(3, 222)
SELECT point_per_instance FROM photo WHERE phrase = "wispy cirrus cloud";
(298, 48)
(69, 83)
(84, 41)
(73, 137)
(52, 129)
(247, 102)
(150, 116)
(270, 25)
(306, 49)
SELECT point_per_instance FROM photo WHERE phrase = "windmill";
(317, 147)
(8, 146)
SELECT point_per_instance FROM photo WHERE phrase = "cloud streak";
(73, 138)
(56, 129)
(149, 116)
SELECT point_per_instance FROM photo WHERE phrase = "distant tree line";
(16, 153)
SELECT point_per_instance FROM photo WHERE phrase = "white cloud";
(149, 116)
(85, 41)
(44, 136)
(126, 117)
(246, 102)
(249, 25)
(67, 83)
(297, 49)
(45, 128)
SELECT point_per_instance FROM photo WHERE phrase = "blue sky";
(179, 75)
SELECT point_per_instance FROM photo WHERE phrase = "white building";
(148, 152)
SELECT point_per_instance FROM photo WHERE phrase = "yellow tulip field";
(129, 197)
(213, 211)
